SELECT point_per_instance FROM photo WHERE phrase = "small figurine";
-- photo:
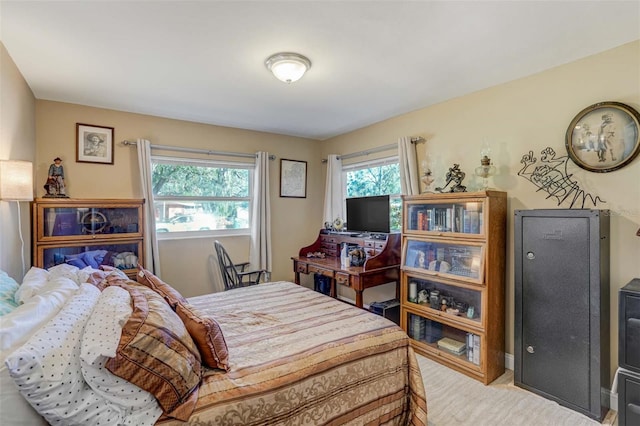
(444, 306)
(470, 312)
(456, 176)
(358, 257)
(55, 180)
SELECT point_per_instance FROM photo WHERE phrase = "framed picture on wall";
(293, 178)
(94, 144)
(604, 137)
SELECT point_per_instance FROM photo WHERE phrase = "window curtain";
(333, 196)
(260, 253)
(408, 161)
(151, 259)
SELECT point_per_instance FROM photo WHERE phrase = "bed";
(291, 356)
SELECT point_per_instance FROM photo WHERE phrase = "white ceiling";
(204, 61)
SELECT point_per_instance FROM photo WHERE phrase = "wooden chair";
(234, 274)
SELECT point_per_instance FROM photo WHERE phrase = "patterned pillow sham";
(157, 354)
(204, 330)
(170, 294)
(99, 342)
(46, 369)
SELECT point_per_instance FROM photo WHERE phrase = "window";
(201, 197)
(377, 177)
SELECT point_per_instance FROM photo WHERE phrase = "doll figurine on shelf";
(55, 180)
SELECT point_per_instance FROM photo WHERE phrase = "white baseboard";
(508, 361)
(606, 394)
(613, 399)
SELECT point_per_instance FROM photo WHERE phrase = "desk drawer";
(328, 239)
(302, 268)
(315, 269)
(332, 253)
(343, 279)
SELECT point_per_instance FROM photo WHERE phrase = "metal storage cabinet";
(629, 326)
(629, 354)
(628, 398)
(562, 306)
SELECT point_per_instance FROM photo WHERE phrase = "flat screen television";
(368, 214)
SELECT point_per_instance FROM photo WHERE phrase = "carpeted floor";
(457, 400)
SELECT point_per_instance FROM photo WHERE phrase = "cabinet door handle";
(634, 322)
(530, 349)
(634, 408)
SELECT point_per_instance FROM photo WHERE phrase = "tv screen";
(368, 214)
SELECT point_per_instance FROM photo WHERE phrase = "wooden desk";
(382, 265)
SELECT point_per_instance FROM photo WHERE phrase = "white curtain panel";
(151, 259)
(333, 196)
(409, 177)
(260, 253)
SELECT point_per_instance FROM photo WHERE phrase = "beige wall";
(17, 142)
(185, 263)
(531, 114)
(526, 114)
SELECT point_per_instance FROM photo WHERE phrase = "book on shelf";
(417, 327)
(473, 348)
(452, 345)
(476, 349)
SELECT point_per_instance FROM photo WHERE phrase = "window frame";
(216, 163)
(367, 164)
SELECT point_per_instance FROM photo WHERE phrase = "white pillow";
(99, 342)
(32, 283)
(65, 270)
(17, 326)
(47, 371)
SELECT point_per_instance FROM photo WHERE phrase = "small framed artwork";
(293, 178)
(604, 137)
(94, 144)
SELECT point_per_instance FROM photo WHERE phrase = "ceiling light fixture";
(287, 66)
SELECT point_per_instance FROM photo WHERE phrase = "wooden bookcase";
(453, 279)
(88, 232)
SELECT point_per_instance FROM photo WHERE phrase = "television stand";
(382, 265)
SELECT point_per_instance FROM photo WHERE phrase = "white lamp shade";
(16, 180)
(288, 67)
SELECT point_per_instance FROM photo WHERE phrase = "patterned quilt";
(301, 358)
